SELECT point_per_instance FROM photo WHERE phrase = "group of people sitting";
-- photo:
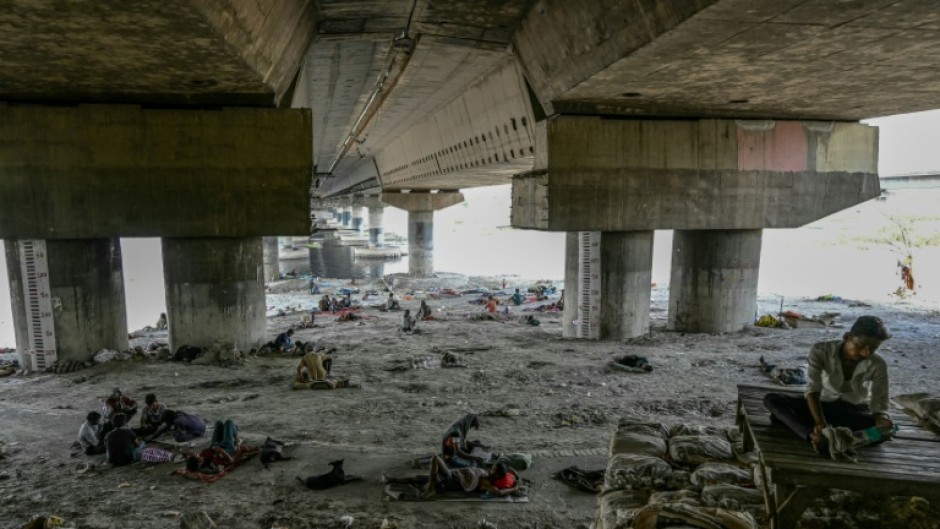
(461, 467)
(334, 304)
(111, 433)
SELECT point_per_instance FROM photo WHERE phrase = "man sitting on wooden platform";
(848, 387)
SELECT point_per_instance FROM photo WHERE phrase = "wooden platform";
(908, 465)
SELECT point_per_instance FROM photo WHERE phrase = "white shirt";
(868, 385)
(88, 435)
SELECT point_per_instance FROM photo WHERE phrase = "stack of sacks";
(684, 478)
(636, 457)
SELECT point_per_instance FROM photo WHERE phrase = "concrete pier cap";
(421, 206)
(717, 182)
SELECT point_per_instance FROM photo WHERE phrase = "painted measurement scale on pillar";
(589, 284)
(41, 352)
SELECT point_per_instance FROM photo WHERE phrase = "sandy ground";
(562, 405)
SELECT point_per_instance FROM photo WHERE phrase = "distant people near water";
(491, 304)
(424, 312)
(118, 402)
(848, 387)
(152, 415)
(90, 435)
(122, 445)
(408, 323)
(161, 322)
(392, 303)
(517, 297)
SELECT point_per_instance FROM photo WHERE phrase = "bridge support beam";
(713, 285)
(85, 288)
(421, 207)
(610, 290)
(214, 291)
(376, 228)
(271, 252)
(358, 217)
(719, 183)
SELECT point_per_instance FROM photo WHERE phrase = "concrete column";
(626, 262)
(357, 218)
(607, 284)
(420, 243)
(570, 313)
(214, 291)
(271, 251)
(713, 287)
(86, 290)
(376, 230)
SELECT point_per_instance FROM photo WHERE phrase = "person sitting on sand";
(90, 435)
(456, 448)
(848, 386)
(392, 303)
(118, 402)
(517, 297)
(122, 446)
(424, 312)
(185, 426)
(283, 342)
(324, 305)
(314, 365)
(491, 304)
(152, 416)
(409, 324)
(501, 480)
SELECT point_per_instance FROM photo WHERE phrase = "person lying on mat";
(220, 454)
(848, 386)
(501, 480)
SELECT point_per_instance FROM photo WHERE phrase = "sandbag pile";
(684, 476)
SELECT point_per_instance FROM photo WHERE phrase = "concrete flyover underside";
(717, 182)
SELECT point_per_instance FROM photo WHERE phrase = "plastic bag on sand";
(698, 449)
(685, 515)
(109, 355)
(636, 472)
(638, 437)
(721, 474)
(732, 497)
(616, 509)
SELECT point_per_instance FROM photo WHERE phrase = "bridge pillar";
(83, 287)
(719, 183)
(357, 217)
(610, 288)
(713, 286)
(271, 251)
(214, 291)
(421, 207)
(376, 229)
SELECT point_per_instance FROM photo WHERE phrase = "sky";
(475, 237)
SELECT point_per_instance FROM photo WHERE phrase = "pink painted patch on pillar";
(781, 148)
